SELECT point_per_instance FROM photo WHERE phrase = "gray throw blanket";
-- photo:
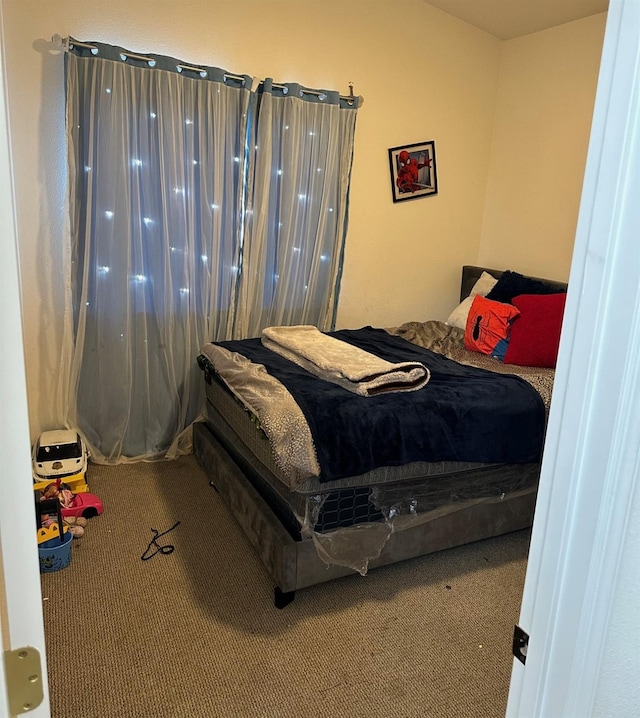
(343, 364)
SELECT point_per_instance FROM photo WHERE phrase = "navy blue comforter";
(461, 414)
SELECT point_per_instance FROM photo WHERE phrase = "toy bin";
(55, 553)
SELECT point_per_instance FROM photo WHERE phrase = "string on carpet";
(155, 546)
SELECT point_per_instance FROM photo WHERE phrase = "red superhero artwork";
(413, 170)
(408, 179)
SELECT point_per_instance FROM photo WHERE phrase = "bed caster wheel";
(281, 599)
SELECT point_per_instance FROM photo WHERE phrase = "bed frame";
(293, 563)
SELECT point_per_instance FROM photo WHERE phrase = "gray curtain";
(203, 206)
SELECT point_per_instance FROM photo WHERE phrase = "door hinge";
(24, 679)
(520, 644)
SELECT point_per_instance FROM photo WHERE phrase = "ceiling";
(507, 19)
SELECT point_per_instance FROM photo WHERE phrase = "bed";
(317, 509)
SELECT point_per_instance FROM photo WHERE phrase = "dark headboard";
(471, 274)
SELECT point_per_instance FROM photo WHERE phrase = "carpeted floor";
(193, 632)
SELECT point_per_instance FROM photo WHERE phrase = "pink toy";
(84, 504)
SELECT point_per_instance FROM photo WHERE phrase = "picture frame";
(413, 170)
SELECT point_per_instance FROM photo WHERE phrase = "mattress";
(376, 496)
(318, 429)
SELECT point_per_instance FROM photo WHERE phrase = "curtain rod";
(67, 43)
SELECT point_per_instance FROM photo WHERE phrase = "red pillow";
(488, 323)
(535, 334)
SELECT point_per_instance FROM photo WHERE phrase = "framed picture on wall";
(413, 170)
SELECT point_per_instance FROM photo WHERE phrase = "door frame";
(592, 453)
(21, 618)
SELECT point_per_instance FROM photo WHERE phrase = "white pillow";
(484, 285)
(458, 317)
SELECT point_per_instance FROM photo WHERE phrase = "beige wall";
(543, 119)
(423, 74)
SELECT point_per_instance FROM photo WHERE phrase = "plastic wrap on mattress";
(399, 506)
(356, 546)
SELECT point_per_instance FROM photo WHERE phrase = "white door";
(592, 453)
(21, 622)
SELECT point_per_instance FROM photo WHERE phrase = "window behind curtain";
(298, 208)
(199, 210)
